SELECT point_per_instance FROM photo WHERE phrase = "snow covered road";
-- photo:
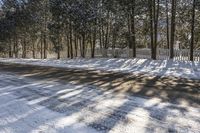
(31, 105)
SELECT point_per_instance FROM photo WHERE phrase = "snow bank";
(184, 69)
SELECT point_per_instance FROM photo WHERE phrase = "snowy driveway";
(30, 105)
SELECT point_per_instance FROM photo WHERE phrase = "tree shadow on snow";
(70, 101)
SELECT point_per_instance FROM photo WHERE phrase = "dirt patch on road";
(172, 89)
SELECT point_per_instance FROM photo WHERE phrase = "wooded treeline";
(43, 26)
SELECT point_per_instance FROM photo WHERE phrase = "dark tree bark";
(133, 41)
(83, 46)
(192, 31)
(107, 31)
(10, 49)
(93, 44)
(167, 21)
(45, 46)
(68, 47)
(76, 45)
(24, 48)
(16, 46)
(173, 28)
(151, 26)
(58, 55)
(70, 39)
(100, 37)
(58, 52)
(80, 45)
(103, 36)
(156, 15)
(41, 47)
(33, 50)
(45, 30)
(129, 30)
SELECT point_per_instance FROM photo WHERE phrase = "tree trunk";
(129, 31)
(151, 26)
(45, 29)
(70, 39)
(24, 48)
(93, 44)
(80, 45)
(76, 45)
(156, 15)
(192, 32)
(68, 45)
(16, 47)
(41, 47)
(10, 49)
(107, 31)
(133, 41)
(58, 55)
(83, 46)
(33, 49)
(173, 28)
(167, 21)
(45, 46)
(100, 37)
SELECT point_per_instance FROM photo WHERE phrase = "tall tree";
(173, 28)
(133, 40)
(151, 26)
(167, 23)
(192, 31)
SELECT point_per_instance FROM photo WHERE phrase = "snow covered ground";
(21, 115)
(185, 69)
(30, 105)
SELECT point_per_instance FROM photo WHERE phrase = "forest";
(36, 28)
